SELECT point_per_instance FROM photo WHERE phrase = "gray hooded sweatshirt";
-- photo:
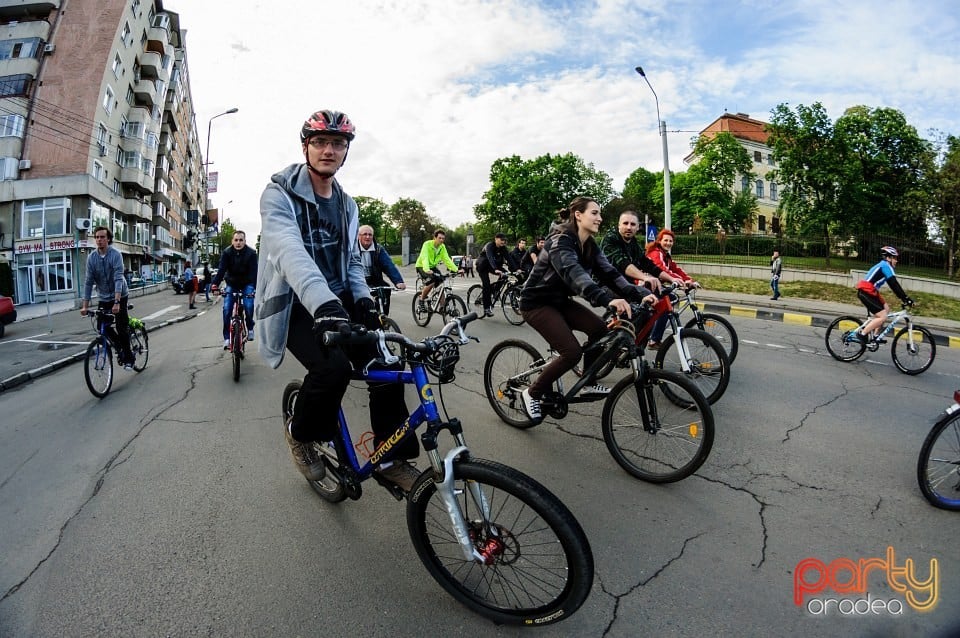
(291, 256)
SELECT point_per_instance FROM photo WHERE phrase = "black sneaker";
(487, 312)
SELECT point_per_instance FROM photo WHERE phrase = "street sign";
(651, 233)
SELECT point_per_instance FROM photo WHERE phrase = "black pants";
(485, 282)
(120, 331)
(556, 324)
(326, 381)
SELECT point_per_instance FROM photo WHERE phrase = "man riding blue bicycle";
(238, 266)
(105, 269)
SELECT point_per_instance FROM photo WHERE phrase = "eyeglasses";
(366, 234)
(320, 143)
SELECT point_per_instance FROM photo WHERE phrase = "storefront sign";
(62, 243)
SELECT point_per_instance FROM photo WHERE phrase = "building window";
(757, 156)
(20, 48)
(9, 168)
(125, 34)
(133, 130)
(130, 97)
(759, 189)
(134, 6)
(54, 211)
(108, 97)
(116, 187)
(99, 214)
(12, 125)
(59, 273)
(130, 159)
(762, 223)
(120, 232)
(745, 184)
(15, 84)
(117, 66)
(770, 159)
(98, 172)
(773, 191)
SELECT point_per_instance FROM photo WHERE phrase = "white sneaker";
(226, 344)
(530, 405)
(594, 391)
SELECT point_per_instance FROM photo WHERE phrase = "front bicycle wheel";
(532, 562)
(938, 467)
(454, 307)
(720, 329)
(329, 488)
(140, 348)
(511, 305)
(389, 325)
(475, 298)
(98, 367)
(421, 312)
(659, 429)
(511, 367)
(841, 340)
(913, 350)
(708, 362)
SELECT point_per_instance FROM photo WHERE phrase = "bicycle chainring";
(555, 405)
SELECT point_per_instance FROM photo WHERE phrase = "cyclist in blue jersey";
(869, 295)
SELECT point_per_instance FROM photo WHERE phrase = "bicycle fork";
(682, 352)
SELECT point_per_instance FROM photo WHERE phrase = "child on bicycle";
(869, 295)
(566, 267)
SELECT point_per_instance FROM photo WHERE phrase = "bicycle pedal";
(873, 346)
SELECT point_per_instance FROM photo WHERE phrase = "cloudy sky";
(440, 89)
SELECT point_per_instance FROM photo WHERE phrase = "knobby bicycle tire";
(329, 488)
(421, 317)
(840, 343)
(538, 565)
(709, 365)
(510, 367)
(453, 307)
(475, 297)
(510, 300)
(916, 357)
(938, 466)
(679, 430)
(98, 367)
(140, 347)
(720, 329)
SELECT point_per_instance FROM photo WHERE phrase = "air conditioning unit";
(49, 48)
(84, 223)
(25, 165)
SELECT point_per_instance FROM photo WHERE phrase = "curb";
(30, 375)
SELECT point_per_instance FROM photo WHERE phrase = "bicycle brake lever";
(388, 357)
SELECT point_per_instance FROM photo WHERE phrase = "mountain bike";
(379, 294)
(238, 331)
(441, 301)
(913, 348)
(938, 467)
(506, 292)
(695, 354)
(656, 424)
(493, 538)
(98, 361)
(714, 325)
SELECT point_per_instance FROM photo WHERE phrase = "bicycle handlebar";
(351, 334)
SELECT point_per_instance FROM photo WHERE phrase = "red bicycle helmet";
(327, 121)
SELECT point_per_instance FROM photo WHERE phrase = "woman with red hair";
(659, 252)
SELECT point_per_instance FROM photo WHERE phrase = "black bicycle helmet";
(327, 121)
(889, 251)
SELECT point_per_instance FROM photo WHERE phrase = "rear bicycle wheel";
(510, 367)
(938, 466)
(913, 350)
(510, 301)
(475, 298)
(329, 488)
(708, 362)
(720, 329)
(536, 565)
(840, 340)
(140, 348)
(653, 435)
(421, 315)
(98, 367)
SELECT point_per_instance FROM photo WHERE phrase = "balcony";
(145, 92)
(137, 180)
(22, 8)
(150, 64)
(21, 66)
(157, 37)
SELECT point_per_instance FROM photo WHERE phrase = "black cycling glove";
(330, 317)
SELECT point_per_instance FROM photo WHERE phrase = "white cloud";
(439, 90)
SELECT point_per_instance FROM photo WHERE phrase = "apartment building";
(97, 127)
(753, 137)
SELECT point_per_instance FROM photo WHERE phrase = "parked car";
(457, 259)
(8, 314)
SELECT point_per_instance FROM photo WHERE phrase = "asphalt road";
(171, 506)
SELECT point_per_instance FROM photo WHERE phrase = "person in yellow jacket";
(431, 254)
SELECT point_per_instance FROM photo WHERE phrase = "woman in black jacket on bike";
(566, 267)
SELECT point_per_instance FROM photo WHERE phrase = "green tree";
(945, 184)
(410, 215)
(373, 211)
(639, 195)
(524, 195)
(224, 237)
(709, 184)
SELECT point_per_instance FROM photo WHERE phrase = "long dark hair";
(568, 221)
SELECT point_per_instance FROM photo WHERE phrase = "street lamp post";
(662, 126)
(206, 157)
